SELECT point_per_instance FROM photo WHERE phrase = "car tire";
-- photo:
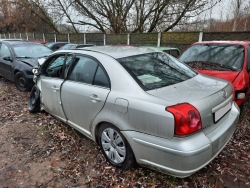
(115, 147)
(34, 100)
(241, 108)
(21, 82)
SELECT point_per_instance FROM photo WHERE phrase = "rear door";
(84, 92)
(6, 65)
(52, 78)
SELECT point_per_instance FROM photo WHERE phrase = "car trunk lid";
(212, 97)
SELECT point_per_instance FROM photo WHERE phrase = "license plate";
(221, 112)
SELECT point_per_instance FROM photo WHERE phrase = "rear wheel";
(115, 147)
(34, 100)
(21, 82)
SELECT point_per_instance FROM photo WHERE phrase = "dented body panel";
(240, 78)
(141, 114)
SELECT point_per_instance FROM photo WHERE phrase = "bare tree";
(121, 16)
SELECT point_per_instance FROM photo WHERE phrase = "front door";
(52, 77)
(84, 92)
(6, 69)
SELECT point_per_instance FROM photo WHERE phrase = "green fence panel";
(49, 37)
(77, 38)
(39, 36)
(112, 39)
(144, 39)
(179, 40)
(62, 37)
(241, 36)
(95, 38)
(31, 36)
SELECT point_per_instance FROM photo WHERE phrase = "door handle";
(54, 88)
(94, 98)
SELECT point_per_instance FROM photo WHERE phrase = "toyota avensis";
(139, 105)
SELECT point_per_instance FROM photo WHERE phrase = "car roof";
(117, 51)
(11, 40)
(21, 43)
(224, 42)
(161, 48)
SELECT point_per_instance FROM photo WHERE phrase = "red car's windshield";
(214, 56)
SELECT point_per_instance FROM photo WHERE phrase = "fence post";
(128, 39)
(27, 36)
(200, 36)
(104, 39)
(4, 36)
(44, 37)
(84, 38)
(55, 37)
(20, 35)
(14, 35)
(68, 38)
(34, 36)
(0, 36)
(159, 40)
(9, 35)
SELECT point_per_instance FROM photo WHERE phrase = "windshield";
(156, 70)
(228, 56)
(50, 44)
(68, 47)
(32, 50)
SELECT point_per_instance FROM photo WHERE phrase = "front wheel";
(115, 147)
(21, 82)
(34, 100)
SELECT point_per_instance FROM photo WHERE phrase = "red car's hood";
(227, 75)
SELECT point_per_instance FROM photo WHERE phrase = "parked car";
(11, 39)
(170, 50)
(17, 58)
(71, 46)
(55, 45)
(139, 105)
(229, 60)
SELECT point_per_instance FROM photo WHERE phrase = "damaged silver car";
(139, 105)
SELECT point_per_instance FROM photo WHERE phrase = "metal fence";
(174, 39)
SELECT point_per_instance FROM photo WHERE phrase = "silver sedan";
(139, 105)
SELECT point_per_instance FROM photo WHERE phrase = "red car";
(229, 60)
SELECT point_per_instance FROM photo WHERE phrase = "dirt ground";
(37, 150)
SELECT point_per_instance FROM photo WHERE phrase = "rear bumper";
(181, 157)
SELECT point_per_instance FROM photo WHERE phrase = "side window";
(55, 67)
(101, 78)
(248, 58)
(174, 53)
(83, 70)
(4, 50)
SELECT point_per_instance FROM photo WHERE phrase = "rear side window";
(100, 78)
(87, 70)
(156, 70)
(83, 70)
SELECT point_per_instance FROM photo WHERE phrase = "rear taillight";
(187, 118)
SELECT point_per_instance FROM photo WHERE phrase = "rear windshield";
(227, 55)
(156, 70)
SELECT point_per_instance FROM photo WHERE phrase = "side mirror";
(35, 70)
(7, 58)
